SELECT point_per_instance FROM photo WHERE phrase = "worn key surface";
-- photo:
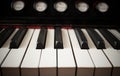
(98, 41)
(81, 39)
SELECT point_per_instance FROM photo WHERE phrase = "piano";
(59, 38)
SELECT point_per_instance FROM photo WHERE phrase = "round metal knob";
(60, 6)
(40, 6)
(18, 5)
(82, 6)
(102, 7)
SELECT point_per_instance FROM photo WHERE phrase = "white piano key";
(66, 40)
(48, 62)
(85, 66)
(66, 63)
(50, 39)
(33, 42)
(113, 56)
(10, 66)
(4, 50)
(102, 65)
(29, 66)
(115, 33)
(48, 57)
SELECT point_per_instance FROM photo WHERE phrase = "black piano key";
(5, 35)
(18, 37)
(81, 39)
(118, 30)
(110, 38)
(42, 39)
(4, 31)
(0, 29)
(58, 43)
(98, 41)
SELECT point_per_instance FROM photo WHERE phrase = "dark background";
(91, 18)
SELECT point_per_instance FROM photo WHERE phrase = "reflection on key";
(81, 38)
(110, 38)
(42, 39)
(115, 33)
(98, 41)
(17, 39)
(58, 43)
(5, 35)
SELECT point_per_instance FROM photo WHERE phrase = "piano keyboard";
(59, 52)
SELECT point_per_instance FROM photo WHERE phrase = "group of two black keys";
(58, 42)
